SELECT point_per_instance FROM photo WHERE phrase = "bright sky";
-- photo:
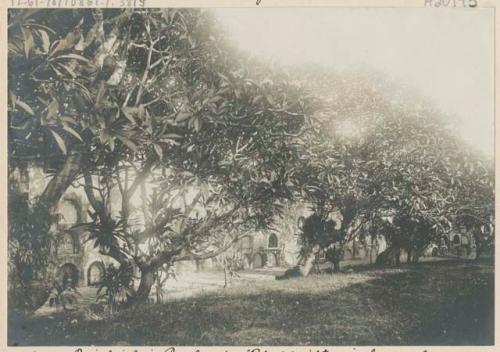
(446, 55)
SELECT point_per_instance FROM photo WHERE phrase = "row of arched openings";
(69, 275)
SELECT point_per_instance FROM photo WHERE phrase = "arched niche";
(68, 275)
(272, 241)
(95, 273)
(70, 244)
(258, 261)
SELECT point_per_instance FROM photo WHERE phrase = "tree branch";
(140, 178)
(89, 191)
(193, 256)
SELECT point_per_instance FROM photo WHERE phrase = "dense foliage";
(390, 165)
(114, 100)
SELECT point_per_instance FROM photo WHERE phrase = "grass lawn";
(440, 303)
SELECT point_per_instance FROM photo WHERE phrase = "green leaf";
(183, 116)
(215, 99)
(24, 106)
(58, 72)
(67, 69)
(158, 150)
(59, 141)
(100, 94)
(169, 141)
(129, 113)
(128, 143)
(72, 56)
(44, 36)
(173, 136)
(40, 26)
(69, 119)
(73, 132)
(52, 109)
(197, 124)
(13, 99)
(104, 136)
(28, 41)
(58, 45)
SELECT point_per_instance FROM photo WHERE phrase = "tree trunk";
(390, 256)
(479, 251)
(61, 181)
(225, 276)
(158, 289)
(371, 249)
(308, 262)
(37, 287)
(303, 268)
(479, 246)
(336, 266)
(146, 283)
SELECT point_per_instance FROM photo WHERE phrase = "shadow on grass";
(444, 303)
(428, 261)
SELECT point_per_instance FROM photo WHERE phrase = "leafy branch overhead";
(157, 104)
(113, 99)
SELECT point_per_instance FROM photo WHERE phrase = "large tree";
(55, 64)
(388, 164)
(108, 98)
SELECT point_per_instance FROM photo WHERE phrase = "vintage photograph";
(258, 176)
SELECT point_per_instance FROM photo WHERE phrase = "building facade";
(81, 264)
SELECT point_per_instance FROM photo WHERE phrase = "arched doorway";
(435, 252)
(456, 245)
(258, 261)
(247, 261)
(68, 275)
(347, 254)
(95, 274)
(466, 245)
(70, 244)
(272, 241)
(272, 260)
